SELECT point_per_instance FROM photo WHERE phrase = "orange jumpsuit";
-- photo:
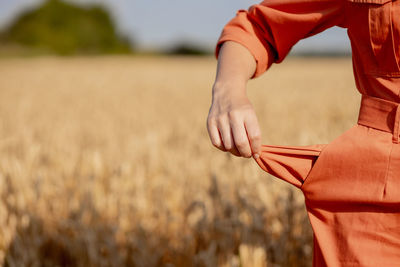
(351, 185)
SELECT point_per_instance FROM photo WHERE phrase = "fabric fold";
(289, 163)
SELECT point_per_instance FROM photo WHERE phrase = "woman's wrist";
(233, 86)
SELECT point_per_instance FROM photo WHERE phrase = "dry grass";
(107, 162)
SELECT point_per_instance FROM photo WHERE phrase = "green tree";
(63, 28)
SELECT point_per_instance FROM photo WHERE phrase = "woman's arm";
(249, 43)
(232, 123)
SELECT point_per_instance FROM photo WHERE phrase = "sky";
(159, 24)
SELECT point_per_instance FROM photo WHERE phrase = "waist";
(380, 114)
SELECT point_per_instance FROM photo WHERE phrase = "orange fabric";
(351, 185)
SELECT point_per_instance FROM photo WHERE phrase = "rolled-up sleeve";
(270, 29)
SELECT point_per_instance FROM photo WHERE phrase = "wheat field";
(106, 161)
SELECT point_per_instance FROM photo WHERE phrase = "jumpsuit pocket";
(292, 164)
(302, 165)
(381, 35)
(382, 39)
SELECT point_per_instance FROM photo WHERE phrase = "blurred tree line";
(63, 28)
(66, 29)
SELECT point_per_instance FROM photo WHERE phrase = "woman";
(352, 185)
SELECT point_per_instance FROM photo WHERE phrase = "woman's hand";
(232, 123)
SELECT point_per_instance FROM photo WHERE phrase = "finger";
(241, 139)
(222, 144)
(225, 131)
(234, 150)
(254, 135)
(215, 135)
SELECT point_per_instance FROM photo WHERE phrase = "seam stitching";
(387, 171)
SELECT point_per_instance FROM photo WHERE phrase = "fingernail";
(256, 156)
